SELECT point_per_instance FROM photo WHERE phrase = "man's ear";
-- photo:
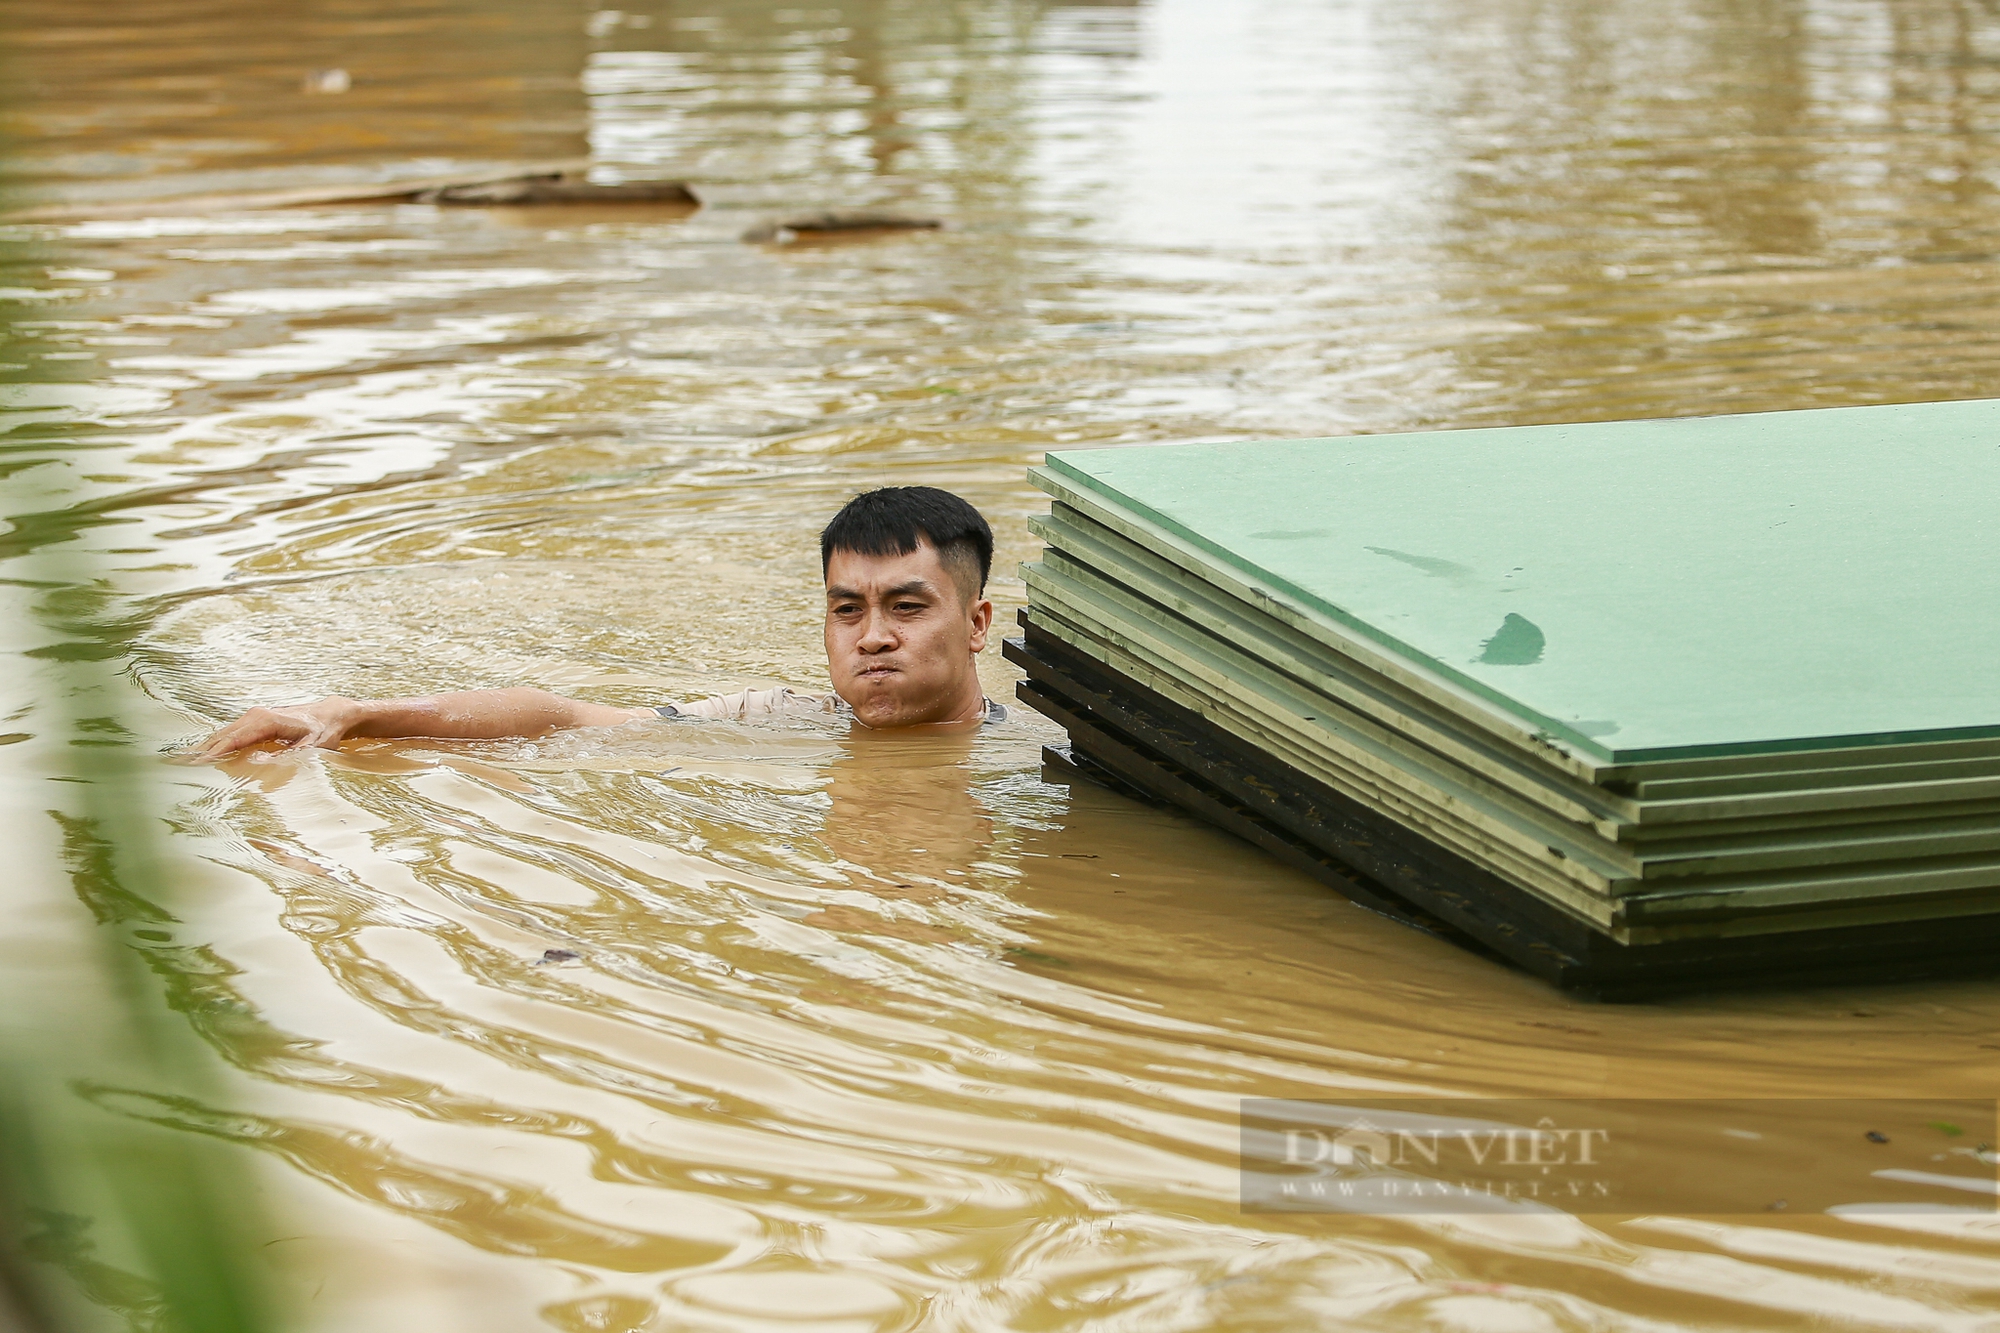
(982, 621)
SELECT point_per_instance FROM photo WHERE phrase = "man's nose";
(878, 634)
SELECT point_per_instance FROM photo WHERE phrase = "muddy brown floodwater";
(861, 1034)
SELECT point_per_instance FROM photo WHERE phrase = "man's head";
(906, 610)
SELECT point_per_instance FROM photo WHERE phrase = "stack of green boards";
(1641, 706)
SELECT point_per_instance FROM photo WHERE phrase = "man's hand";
(323, 725)
(470, 715)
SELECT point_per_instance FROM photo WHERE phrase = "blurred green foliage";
(106, 1221)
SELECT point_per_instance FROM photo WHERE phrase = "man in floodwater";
(906, 619)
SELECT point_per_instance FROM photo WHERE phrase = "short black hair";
(896, 519)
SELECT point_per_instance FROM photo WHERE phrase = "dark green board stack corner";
(1644, 706)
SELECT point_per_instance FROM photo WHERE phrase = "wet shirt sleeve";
(751, 703)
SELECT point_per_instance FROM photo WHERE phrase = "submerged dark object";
(554, 187)
(834, 223)
(557, 956)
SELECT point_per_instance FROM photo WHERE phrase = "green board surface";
(1645, 590)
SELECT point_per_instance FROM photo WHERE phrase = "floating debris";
(326, 81)
(557, 956)
(1876, 1136)
(542, 183)
(835, 223)
(555, 187)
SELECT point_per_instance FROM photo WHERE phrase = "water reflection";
(903, 807)
(870, 1035)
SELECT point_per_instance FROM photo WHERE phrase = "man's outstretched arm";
(468, 715)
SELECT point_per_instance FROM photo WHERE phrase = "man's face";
(901, 638)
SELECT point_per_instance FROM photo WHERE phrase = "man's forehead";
(853, 570)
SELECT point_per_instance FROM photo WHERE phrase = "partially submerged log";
(543, 185)
(555, 187)
(835, 223)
